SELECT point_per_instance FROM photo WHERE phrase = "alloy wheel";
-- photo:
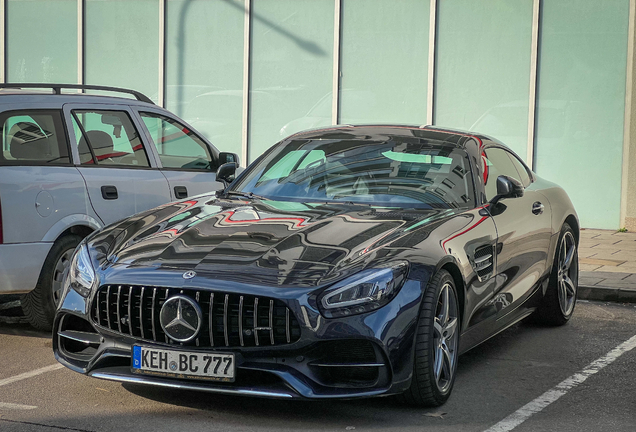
(58, 275)
(445, 338)
(566, 277)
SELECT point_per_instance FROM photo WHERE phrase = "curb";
(600, 293)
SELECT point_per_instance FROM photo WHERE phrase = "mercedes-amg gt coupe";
(345, 262)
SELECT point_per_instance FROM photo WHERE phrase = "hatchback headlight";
(363, 292)
(81, 275)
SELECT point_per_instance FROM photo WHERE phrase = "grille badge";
(180, 318)
(189, 274)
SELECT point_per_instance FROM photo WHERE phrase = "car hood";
(273, 243)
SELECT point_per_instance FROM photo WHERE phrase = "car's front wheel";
(436, 345)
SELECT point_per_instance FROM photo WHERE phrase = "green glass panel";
(204, 67)
(42, 41)
(291, 68)
(384, 62)
(580, 104)
(122, 44)
(482, 74)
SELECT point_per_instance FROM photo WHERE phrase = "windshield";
(415, 174)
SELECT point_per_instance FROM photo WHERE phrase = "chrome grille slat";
(222, 320)
(118, 307)
(225, 329)
(154, 296)
(211, 320)
(130, 302)
(256, 320)
(108, 307)
(141, 313)
(271, 321)
(287, 329)
(240, 323)
(197, 297)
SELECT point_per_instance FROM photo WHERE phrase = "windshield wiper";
(248, 195)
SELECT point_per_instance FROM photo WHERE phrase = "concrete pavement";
(607, 264)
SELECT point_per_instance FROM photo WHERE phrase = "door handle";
(537, 208)
(180, 192)
(109, 193)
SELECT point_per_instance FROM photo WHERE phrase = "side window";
(108, 138)
(178, 147)
(33, 138)
(497, 163)
(521, 169)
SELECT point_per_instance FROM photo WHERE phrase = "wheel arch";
(79, 224)
(574, 224)
(451, 266)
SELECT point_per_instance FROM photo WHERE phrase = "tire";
(427, 390)
(40, 304)
(559, 301)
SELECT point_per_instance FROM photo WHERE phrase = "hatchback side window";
(497, 163)
(177, 146)
(108, 138)
(33, 138)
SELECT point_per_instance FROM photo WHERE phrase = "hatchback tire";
(40, 304)
(436, 344)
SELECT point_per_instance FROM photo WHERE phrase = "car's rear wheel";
(436, 344)
(40, 304)
(560, 299)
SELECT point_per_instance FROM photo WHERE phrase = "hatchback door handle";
(109, 193)
(180, 192)
(537, 208)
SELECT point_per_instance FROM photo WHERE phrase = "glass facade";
(291, 69)
(580, 104)
(483, 68)
(39, 48)
(122, 44)
(376, 54)
(204, 67)
(384, 62)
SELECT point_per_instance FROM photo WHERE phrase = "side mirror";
(507, 187)
(225, 157)
(226, 172)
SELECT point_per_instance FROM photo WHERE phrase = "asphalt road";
(495, 380)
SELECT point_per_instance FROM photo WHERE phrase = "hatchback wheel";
(40, 304)
(437, 343)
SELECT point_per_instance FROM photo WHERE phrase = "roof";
(371, 131)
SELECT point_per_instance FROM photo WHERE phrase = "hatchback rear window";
(32, 137)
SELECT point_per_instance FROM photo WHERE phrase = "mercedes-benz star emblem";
(189, 274)
(180, 318)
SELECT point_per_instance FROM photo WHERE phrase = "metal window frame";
(628, 120)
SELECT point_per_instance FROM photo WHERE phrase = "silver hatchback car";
(72, 163)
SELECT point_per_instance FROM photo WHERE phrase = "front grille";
(229, 320)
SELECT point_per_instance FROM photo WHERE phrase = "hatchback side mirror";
(225, 157)
(226, 172)
(507, 187)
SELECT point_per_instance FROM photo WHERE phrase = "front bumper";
(356, 356)
(20, 266)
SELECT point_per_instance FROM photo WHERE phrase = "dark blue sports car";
(345, 262)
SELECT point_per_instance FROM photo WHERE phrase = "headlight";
(81, 275)
(365, 291)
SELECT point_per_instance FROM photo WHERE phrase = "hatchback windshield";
(392, 173)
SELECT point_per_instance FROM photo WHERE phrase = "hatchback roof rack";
(57, 88)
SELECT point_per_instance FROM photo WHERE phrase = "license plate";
(183, 364)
